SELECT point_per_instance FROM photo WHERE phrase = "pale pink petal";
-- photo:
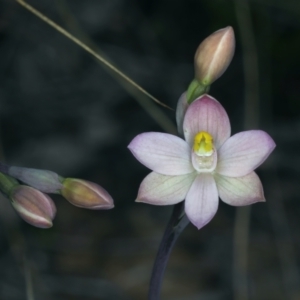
(244, 152)
(201, 202)
(160, 189)
(163, 153)
(206, 114)
(240, 191)
(181, 108)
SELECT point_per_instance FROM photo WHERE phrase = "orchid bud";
(43, 180)
(214, 55)
(33, 206)
(181, 108)
(86, 194)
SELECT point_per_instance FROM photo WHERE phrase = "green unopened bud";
(214, 55)
(43, 180)
(86, 194)
(33, 206)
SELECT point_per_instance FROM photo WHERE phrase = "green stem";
(195, 90)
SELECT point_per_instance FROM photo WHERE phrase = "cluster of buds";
(27, 190)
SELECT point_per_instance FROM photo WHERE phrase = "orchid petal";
(163, 153)
(244, 152)
(240, 191)
(202, 200)
(160, 189)
(206, 114)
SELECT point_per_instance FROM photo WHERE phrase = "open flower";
(207, 165)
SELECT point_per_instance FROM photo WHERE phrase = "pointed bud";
(181, 108)
(86, 194)
(214, 55)
(33, 206)
(43, 180)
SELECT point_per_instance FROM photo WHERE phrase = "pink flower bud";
(86, 194)
(214, 55)
(33, 206)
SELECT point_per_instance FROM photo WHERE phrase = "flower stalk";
(195, 90)
(176, 225)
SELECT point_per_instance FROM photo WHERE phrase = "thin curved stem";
(89, 50)
(151, 108)
(251, 74)
(176, 225)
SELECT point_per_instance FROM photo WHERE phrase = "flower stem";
(176, 225)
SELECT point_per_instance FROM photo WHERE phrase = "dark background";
(61, 111)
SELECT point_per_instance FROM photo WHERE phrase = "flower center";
(204, 156)
(203, 144)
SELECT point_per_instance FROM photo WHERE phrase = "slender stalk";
(176, 225)
(240, 248)
(28, 279)
(89, 50)
(151, 108)
(251, 120)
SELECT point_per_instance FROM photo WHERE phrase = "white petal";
(163, 153)
(202, 200)
(206, 114)
(244, 152)
(160, 189)
(240, 191)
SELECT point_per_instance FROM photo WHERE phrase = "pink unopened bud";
(214, 55)
(33, 206)
(86, 194)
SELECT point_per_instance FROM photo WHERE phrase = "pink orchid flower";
(207, 165)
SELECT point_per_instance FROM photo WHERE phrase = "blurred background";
(61, 110)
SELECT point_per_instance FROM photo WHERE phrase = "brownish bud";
(214, 55)
(33, 206)
(86, 194)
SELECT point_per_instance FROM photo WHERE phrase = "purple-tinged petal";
(244, 152)
(240, 191)
(206, 114)
(160, 189)
(201, 202)
(163, 153)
